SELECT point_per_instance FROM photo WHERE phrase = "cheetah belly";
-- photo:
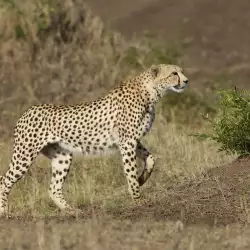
(71, 148)
(104, 146)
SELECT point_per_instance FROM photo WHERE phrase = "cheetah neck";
(155, 92)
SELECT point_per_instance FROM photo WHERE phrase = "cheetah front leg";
(22, 158)
(128, 151)
(149, 162)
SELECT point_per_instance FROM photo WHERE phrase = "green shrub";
(231, 126)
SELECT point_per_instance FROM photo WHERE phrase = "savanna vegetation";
(60, 52)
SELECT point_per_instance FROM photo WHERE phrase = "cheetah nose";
(186, 81)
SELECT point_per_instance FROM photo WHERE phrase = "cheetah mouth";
(179, 87)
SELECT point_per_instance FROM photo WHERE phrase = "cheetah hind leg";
(61, 160)
(17, 169)
(3, 198)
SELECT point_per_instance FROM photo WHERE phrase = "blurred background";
(213, 34)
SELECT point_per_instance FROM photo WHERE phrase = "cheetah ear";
(154, 70)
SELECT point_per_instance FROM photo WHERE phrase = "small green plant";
(19, 32)
(231, 127)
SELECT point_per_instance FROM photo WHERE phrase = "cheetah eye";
(175, 73)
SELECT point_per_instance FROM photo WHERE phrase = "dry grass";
(98, 187)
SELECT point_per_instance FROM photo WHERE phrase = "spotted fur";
(116, 121)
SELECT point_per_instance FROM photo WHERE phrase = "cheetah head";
(168, 77)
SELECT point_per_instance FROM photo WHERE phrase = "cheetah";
(116, 121)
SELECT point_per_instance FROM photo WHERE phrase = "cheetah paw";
(72, 211)
(140, 202)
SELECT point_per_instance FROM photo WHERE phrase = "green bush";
(231, 126)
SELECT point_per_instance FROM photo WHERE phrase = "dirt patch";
(219, 198)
